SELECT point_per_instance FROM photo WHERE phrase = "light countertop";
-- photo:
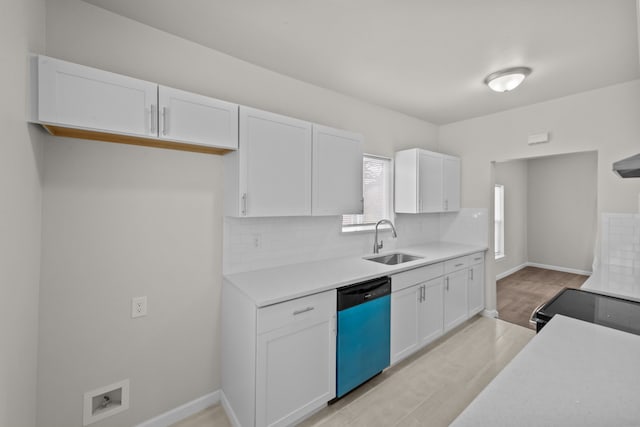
(572, 373)
(273, 285)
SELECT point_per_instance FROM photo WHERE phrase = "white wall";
(21, 32)
(561, 206)
(513, 175)
(122, 221)
(604, 120)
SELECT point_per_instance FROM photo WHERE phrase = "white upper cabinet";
(290, 167)
(270, 174)
(451, 183)
(82, 97)
(82, 102)
(197, 119)
(337, 172)
(426, 181)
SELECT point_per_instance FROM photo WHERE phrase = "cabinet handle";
(459, 265)
(477, 259)
(446, 280)
(154, 117)
(362, 204)
(446, 205)
(471, 273)
(424, 292)
(165, 126)
(304, 310)
(244, 204)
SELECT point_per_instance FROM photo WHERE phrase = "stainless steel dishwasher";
(363, 341)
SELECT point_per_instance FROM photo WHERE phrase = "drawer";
(477, 258)
(456, 264)
(417, 275)
(314, 307)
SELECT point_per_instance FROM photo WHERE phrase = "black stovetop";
(613, 312)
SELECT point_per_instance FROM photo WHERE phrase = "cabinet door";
(77, 96)
(451, 183)
(476, 289)
(432, 313)
(275, 164)
(197, 119)
(455, 298)
(295, 371)
(430, 182)
(405, 319)
(337, 172)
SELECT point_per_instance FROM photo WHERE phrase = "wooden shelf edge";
(131, 140)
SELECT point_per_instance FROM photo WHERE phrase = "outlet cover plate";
(138, 306)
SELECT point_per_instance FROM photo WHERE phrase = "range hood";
(629, 167)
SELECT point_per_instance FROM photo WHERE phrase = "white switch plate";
(138, 306)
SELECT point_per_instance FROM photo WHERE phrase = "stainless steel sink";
(393, 259)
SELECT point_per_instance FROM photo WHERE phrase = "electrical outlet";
(138, 306)
(257, 240)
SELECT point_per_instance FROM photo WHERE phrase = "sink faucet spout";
(377, 246)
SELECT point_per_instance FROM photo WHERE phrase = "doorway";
(546, 215)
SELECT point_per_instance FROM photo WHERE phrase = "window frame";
(498, 224)
(369, 227)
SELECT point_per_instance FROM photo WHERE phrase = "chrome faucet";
(377, 246)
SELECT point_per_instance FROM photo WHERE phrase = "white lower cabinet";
(475, 287)
(429, 301)
(455, 298)
(416, 310)
(406, 309)
(279, 367)
(432, 314)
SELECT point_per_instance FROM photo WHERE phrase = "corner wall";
(603, 120)
(21, 32)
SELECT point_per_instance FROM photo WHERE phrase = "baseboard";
(229, 411)
(490, 313)
(556, 268)
(183, 411)
(510, 271)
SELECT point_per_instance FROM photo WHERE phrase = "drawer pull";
(304, 310)
(477, 259)
(459, 265)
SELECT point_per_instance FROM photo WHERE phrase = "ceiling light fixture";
(507, 79)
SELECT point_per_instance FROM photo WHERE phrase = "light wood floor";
(428, 389)
(523, 291)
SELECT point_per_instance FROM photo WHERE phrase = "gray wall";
(513, 175)
(123, 221)
(562, 222)
(603, 120)
(21, 31)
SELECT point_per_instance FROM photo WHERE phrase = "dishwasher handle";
(360, 293)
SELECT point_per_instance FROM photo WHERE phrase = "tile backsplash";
(255, 243)
(620, 240)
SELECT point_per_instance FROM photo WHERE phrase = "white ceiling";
(425, 58)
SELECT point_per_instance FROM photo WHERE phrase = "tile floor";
(429, 388)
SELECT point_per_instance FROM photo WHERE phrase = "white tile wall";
(255, 243)
(620, 241)
(469, 225)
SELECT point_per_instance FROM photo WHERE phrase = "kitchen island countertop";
(572, 373)
(273, 285)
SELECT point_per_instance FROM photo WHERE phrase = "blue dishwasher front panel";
(363, 343)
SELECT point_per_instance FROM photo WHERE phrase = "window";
(499, 221)
(376, 182)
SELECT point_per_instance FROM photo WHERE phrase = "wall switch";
(138, 306)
